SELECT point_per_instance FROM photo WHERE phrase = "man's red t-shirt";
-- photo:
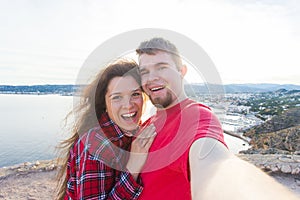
(166, 171)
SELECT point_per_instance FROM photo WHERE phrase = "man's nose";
(153, 75)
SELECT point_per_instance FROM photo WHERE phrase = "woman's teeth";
(129, 115)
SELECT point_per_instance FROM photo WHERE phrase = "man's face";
(161, 79)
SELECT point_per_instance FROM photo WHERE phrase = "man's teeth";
(129, 114)
(156, 88)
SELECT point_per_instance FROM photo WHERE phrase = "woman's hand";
(139, 150)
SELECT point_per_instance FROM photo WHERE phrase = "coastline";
(38, 180)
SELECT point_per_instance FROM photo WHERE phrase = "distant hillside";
(282, 132)
(287, 119)
(198, 89)
(274, 87)
(39, 89)
(191, 89)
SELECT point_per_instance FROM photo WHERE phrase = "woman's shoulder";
(93, 136)
(84, 139)
(100, 147)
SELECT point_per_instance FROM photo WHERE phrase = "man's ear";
(183, 70)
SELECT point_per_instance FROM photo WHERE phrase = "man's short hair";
(152, 46)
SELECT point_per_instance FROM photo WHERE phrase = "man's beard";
(162, 102)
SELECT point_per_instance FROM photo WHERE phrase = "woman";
(98, 163)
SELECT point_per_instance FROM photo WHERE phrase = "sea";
(31, 127)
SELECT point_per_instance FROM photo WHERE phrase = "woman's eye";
(116, 97)
(136, 94)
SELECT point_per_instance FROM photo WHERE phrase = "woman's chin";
(130, 130)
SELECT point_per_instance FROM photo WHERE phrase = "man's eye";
(162, 68)
(143, 72)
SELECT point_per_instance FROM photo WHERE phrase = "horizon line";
(200, 83)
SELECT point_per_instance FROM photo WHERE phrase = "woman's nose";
(127, 103)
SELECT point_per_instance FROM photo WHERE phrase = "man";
(188, 158)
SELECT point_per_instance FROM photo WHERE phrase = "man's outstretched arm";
(218, 174)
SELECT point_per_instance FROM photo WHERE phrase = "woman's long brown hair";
(87, 112)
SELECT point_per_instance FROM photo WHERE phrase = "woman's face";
(124, 102)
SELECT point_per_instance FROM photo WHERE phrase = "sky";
(249, 41)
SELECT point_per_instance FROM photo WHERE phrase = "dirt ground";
(30, 186)
(41, 185)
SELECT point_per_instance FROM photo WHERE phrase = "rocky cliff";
(281, 134)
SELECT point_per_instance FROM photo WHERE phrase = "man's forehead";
(157, 59)
(141, 66)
